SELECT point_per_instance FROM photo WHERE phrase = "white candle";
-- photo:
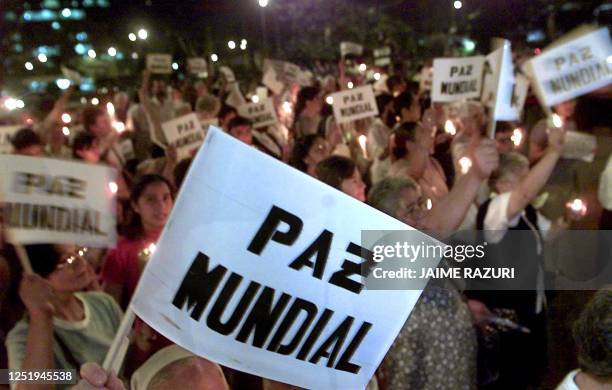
(465, 163)
(449, 127)
(557, 121)
(517, 137)
(363, 140)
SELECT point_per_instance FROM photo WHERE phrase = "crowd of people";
(411, 166)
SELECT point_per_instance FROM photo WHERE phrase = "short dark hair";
(382, 101)
(43, 258)
(503, 127)
(225, 110)
(90, 116)
(83, 140)
(394, 80)
(300, 150)
(406, 132)
(403, 100)
(333, 170)
(24, 138)
(593, 335)
(238, 121)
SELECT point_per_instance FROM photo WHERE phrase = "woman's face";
(566, 109)
(90, 154)
(354, 186)
(412, 208)
(154, 205)
(318, 152)
(315, 104)
(72, 272)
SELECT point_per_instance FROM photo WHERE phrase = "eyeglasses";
(419, 205)
(69, 261)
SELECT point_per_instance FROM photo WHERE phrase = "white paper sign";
(159, 63)
(271, 81)
(197, 65)
(233, 292)
(456, 78)
(126, 147)
(500, 100)
(57, 201)
(71, 75)
(350, 48)
(519, 93)
(229, 75)
(6, 133)
(579, 146)
(185, 134)
(354, 104)
(262, 114)
(573, 68)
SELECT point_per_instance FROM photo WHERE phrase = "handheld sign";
(197, 65)
(261, 114)
(264, 273)
(185, 134)
(579, 146)
(228, 73)
(354, 104)
(573, 68)
(382, 56)
(271, 81)
(159, 63)
(126, 148)
(6, 133)
(57, 201)
(71, 75)
(350, 48)
(456, 78)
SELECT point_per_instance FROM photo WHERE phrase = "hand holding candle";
(577, 209)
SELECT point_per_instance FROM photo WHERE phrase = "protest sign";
(519, 92)
(573, 68)
(228, 73)
(350, 48)
(126, 148)
(271, 81)
(197, 65)
(262, 114)
(502, 82)
(159, 63)
(457, 78)
(579, 146)
(58, 201)
(353, 104)
(234, 97)
(185, 134)
(264, 276)
(71, 75)
(6, 133)
(382, 56)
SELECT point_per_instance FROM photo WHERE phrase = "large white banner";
(573, 68)
(353, 104)
(57, 201)
(185, 134)
(262, 114)
(6, 133)
(456, 78)
(258, 270)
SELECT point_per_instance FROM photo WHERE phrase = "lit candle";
(145, 255)
(66, 118)
(287, 108)
(429, 204)
(578, 207)
(449, 127)
(465, 163)
(557, 121)
(119, 126)
(110, 108)
(517, 137)
(113, 187)
(363, 140)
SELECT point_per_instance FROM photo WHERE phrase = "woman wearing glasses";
(63, 326)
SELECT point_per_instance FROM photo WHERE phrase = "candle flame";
(113, 187)
(449, 127)
(465, 163)
(578, 206)
(517, 137)
(557, 121)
